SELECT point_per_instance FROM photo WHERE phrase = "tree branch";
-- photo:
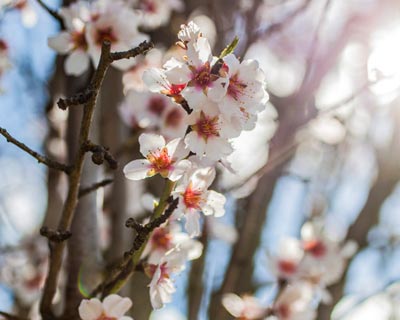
(40, 158)
(57, 249)
(84, 191)
(53, 13)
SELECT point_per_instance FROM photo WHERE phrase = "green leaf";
(229, 48)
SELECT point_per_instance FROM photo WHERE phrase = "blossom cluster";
(205, 101)
(89, 24)
(303, 268)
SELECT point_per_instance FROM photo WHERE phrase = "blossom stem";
(128, 266)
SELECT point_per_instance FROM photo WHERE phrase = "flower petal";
(116, 306)
(179, 169)
(192, 224)
(77, 63)
(137, 169)
(90, 309)
(61, 43)
(150, 142)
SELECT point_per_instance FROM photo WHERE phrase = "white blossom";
(195, 198)
(113, 307)
(165, 159)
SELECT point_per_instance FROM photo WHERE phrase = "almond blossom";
(156, 13)
(244, 308)
(210, 133)
(163, 239)
(195, 198)
(286, 264)
(202, 82)
(161, 285)
(113, 307)
(73, 41)
(325, 258)
(295, 303)
(157, 80)
(118, 24)
(161, 158)
(246, 95)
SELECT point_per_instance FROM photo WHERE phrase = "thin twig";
(142, 48)
(53, 13)
(84, 191)
(143, 231)
(57, 249)
(40, 158)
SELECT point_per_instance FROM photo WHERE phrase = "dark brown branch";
(101, 154)
(57, 252)
(53, 13)
(10, 316)
(143, 231)
(142, 48)
(55, 235)
(76, 100)
(40, 158)
(84, 191)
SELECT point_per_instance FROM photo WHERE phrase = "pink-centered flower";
(73, 41)
(295, 302)
(325, 258)
(113, 307)
(161, 285)
(246, 95)
(195, 198)
(160, 158)
(210, 133)
(118, 24)
(286, 263)
(156, 13)
(165, 238)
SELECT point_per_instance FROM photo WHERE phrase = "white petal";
(214, 204)
(90, 309)
(61, 43)
(233, 303)
(217, 148)
(179, 169)
(195, 97)
(150, 142)
(137, 169)
(192, 224)
(177, 72)
(195, 143)
(176, 148)
(218, 89)
(116, 306)
(77, 63)
(155, 80)
(233, 63)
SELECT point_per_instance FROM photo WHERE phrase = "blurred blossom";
(328, 130)
(384, 63)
